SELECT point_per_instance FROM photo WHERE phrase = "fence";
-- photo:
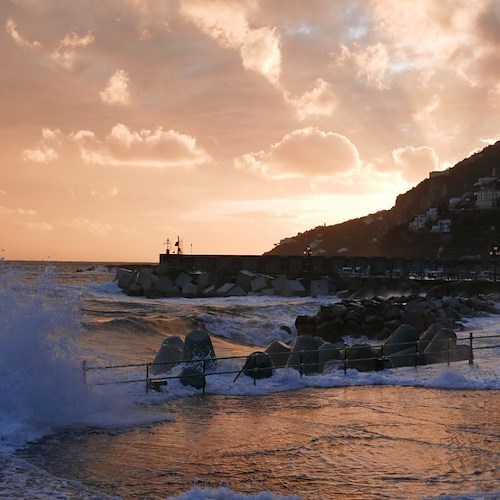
(204, 367)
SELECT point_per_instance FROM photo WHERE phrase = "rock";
(125, 278)
(204, 281)
(406, 357)
(428, 335)
(402, 338)
(260, 282)
(244, 280)
(189, 290)
(146, 279)
(441, 346)
(279, 353)
(164, 285)
(182, 280)
(258, 365)
(230, 290)
(330, 331)
(134, 290)
(319, 287)
(171, 353)
(364, 358)
(174, 341)
(198, 346)
(192, 376)
(329, 352)
(304, 355)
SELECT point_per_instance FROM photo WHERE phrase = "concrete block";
(183, 279)
(259, 282)
(319, 287)
(244, 279)
(146, 279)
(189, 290)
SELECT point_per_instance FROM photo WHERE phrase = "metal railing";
(205, 367)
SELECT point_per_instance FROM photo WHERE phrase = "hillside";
(386, 233)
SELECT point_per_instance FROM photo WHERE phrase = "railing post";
(204, 380)
(147, 377)
(254, 369)
(416, 354)
(448, 353)
(346, 348)
(471, 353)
(84, 372)
(301, 363)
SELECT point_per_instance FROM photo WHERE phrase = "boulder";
(428, 335)
(279, 353)
(189, 290)
(403, 337)
(440, 348)
(244, 280)
(319, 287)
(171, 353)
(192, 376)
(183, 279)
(125, 278)
(406, 357)
(259, 283)
(328, 352)
(258, 365)
(304, 355)
(198, 346)
(363, 357)
(146, 279)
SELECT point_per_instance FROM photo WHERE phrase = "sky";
(230, 124)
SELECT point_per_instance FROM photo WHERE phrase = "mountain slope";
(386, 233)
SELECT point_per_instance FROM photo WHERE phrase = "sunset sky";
(232, 124)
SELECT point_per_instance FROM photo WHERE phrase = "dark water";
(350, 442)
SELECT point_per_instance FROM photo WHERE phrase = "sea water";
(404, 433)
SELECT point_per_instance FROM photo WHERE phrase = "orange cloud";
(116, 91)
(308, 152)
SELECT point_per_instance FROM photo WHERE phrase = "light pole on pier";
(495, 252)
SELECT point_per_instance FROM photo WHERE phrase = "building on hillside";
(487, 199)
(418, 223)
(442, 226)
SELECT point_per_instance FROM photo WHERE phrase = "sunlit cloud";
(17, 211)
(415, 162)
(320, 101)
(97, 228)
(308, 152)
(65, 52)
(38, 227)
(226, 23)
(43, 154)
(13, 32)
(143, 148)
(116, 91)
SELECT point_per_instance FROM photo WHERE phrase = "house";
(442, 226)
(487, 199)
(418, 222)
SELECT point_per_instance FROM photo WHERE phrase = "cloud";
(97, 228)
(372, 63)
(65, 52)
(494, 96)
(226, 23)
(43, 154)
(11, 28)
(143, 148)
(16, 211)
(39, 227)
(320, 101)
(116, 91)
(415, 162)
(307, 152)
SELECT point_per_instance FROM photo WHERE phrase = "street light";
(495, 252)
(307, 255)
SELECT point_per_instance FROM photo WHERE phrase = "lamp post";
(495, 252)
(307, 255)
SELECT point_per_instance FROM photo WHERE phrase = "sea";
(69, 433)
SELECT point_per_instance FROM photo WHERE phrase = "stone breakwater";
(410, 331)
(168, 281)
